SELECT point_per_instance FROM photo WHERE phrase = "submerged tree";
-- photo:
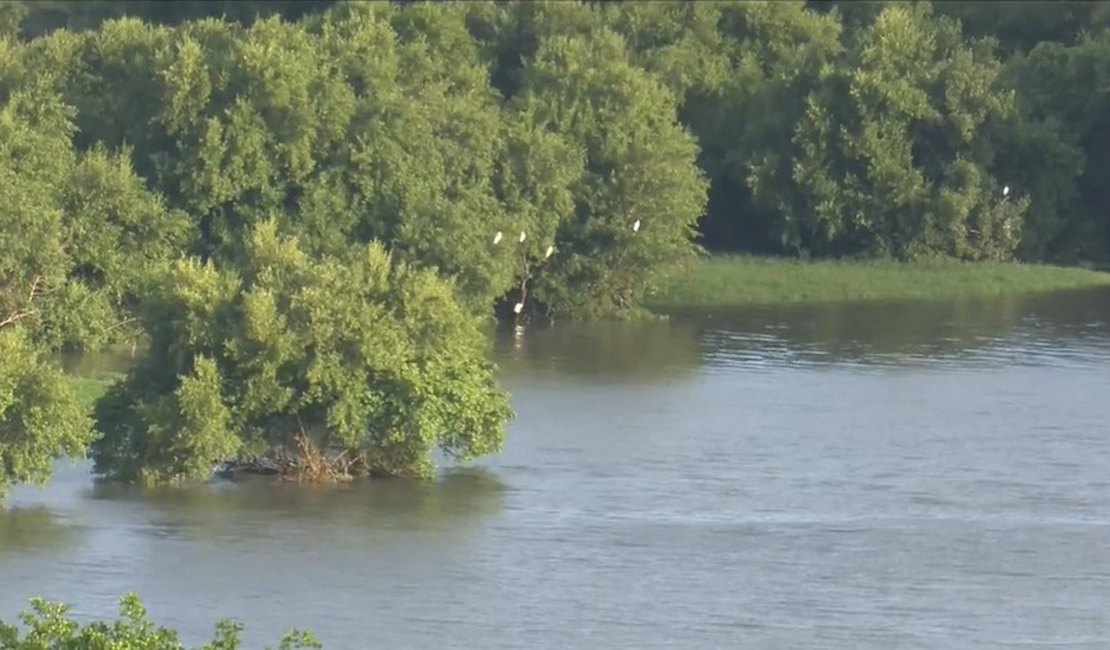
(326, 369)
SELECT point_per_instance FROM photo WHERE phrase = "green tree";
(683, 44)
(508, 34)
(337, 368)
(365, 123)
(77, 230)
(1041, 151)
(41, 17)
(373, 122)
(776, 55)
(1021, 26)
(40, 420)
(1057, 149)
(11, 15)
(429, 144)
(894, 153)
(49, 626)
(640, 193)
(34, 154)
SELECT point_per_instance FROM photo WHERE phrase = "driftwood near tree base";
(309, 463)
(315, 465)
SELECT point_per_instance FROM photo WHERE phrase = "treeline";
(833, 128)
(305, 207)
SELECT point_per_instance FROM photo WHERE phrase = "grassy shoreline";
(723, 281)
(89, 389)
(732, 280)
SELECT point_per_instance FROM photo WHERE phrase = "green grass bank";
(89, 389)
(729, 280)
(722, 281)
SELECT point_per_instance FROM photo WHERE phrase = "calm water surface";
(864, 476)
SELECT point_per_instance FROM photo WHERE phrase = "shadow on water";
(1023, 329)
(655, 350)
(33, 529)
(221, 508)
(638, 350)
(1029, 328)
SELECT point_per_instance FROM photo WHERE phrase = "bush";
(49, 627)
(320, 368)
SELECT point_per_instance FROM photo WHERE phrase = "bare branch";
(16, 317)
(122, 323)
(34, 288)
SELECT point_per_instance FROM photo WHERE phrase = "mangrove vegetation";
(302, 212)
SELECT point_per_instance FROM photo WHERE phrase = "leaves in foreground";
(48, 625)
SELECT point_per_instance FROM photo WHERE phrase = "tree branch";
(16, 317)
(122, 323)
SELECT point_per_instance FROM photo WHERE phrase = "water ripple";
(837, 476)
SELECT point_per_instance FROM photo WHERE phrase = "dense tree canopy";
(363, 365)
(892, 155)
(498, 158)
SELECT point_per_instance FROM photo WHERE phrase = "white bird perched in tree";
(517, 307)
(497, 237)
(636, 226)
(550, 250)
(522, 236)
(1006, 191)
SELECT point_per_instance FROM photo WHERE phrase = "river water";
(918, 475)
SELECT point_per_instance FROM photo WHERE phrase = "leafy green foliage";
(558, 156)
(77, 230)
(11, 15)
(39, 17)
(1021, 26)
(374, 123)
(776, 55)
(1056, 147)
(40, 419)
(48, 626)
(893, 153)
(370, 361)
(640, 193)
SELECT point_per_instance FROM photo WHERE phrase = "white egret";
(636, 226)
(550, 250)
(1006, 191)
(517, 307)
(522, 236)
(497, 237)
